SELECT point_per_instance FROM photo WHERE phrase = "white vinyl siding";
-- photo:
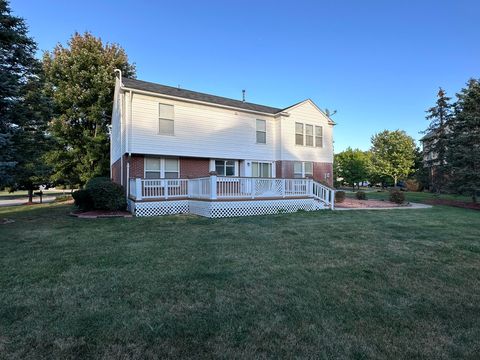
(299, 134)
(261, 169)
(159, 168)
(305, 113)
(166, 117)
(318, 136)
(200, 131)
(261, 126)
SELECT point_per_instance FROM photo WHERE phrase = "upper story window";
(166, 119)
(298, 133)
(225, 167)
(318, 136)
(159, 168)
(261, 131)
(308, 135)
(261, 169)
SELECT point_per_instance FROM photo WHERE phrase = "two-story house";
(165, 141)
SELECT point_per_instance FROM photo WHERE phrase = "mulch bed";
(357, 204)
(96, 214)
(456, 203)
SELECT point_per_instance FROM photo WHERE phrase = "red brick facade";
(322, 172)
(199, 167)
(194, 167)
(117, 171)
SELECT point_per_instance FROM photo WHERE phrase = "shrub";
(106, 195)
(100, 194)
(397, 197)
(339, 196)
(361, 195)
(83, 200)
(96, 182)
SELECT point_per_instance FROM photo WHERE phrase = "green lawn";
(350, 284)
(410, 196)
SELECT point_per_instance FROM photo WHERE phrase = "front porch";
(217, 196)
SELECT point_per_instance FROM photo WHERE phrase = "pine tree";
(17, 66)
(463, 154)
(435, 142)
(80, 79)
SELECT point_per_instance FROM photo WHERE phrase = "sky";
(379, 63)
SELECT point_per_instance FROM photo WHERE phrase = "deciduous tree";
(80, 78)
(352, 165)
(393, 154)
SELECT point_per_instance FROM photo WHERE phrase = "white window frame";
(303, 174)
(310, 137)
(262, 164)
(160, 118)
(318, 137)
(162, 167)
(213, 166)
(302, 133)
(260, 131)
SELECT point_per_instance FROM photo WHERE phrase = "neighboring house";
(161, 132)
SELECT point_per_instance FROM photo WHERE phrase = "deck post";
(213, 187)
(252, 187)
(138, 189)
(283, 187)
(165, 188)
(332, 199)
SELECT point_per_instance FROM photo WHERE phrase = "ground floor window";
(225, 167)
(261, 169)
(302, 169)
(159, 168)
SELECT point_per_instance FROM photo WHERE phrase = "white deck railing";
(217, 187)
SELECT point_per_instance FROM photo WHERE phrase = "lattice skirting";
(156, 208)
(222, 209)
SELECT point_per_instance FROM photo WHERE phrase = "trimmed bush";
(97, 181)
(107, 195)
(101, 194)
(83, 200)
(361, 195)
(397, 197)
(339, 196)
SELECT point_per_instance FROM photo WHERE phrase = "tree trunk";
(394, 181)
(30, 195)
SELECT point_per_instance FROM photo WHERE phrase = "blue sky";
(378, 63)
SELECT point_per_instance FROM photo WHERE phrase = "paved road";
(21, 201)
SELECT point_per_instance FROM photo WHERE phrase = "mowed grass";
(351, 284)
(411, 196)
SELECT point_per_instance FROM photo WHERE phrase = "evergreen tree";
(17, 66)
(393, 154)
(463, 154)
(435, 142)
(31, 140)
(80, 79)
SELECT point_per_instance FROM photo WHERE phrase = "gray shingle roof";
(194, 95)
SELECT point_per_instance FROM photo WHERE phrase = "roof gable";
(311, 103)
